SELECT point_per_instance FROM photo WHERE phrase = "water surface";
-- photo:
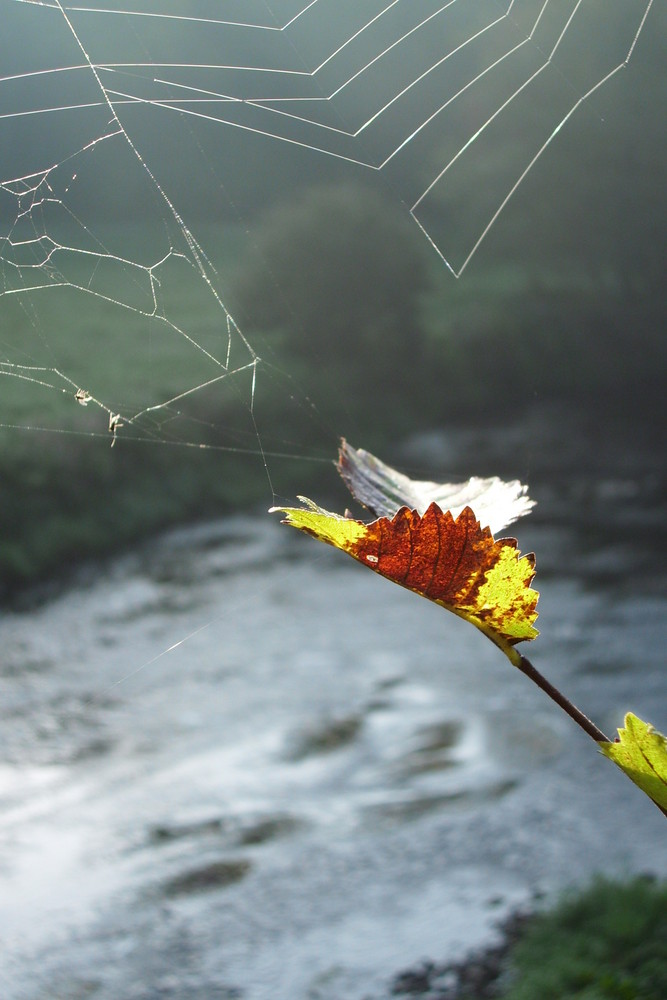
(238, 765)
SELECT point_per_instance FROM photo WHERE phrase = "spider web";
(138, 139)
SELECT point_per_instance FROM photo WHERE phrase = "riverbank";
(603, 941)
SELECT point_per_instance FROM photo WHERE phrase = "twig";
(589, 727)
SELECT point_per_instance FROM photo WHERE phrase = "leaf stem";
(589, 727)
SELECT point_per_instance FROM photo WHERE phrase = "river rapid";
(238, 766)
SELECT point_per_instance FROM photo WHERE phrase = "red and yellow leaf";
(452, 561)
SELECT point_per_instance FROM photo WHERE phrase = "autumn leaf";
(451, 560)
(641, 752)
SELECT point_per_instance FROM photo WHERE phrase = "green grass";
(606, 943)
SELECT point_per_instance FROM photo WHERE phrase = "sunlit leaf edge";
(641, 752)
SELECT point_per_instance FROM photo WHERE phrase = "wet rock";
(479, 976)
(165, 833)
(268, 829)
(435, 746)
(415, 806)
(216, 875)
(415, 981)
(332, 734)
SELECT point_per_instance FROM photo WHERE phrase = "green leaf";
(641, 752)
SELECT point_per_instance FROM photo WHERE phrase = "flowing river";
(237, 766)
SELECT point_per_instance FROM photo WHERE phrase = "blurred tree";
(336, 278)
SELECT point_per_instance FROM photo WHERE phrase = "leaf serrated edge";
(652, 779)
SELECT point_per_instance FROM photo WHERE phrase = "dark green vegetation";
(415, 351)
(610, 943)
(364, 313)
(607, 942)
(347, 270)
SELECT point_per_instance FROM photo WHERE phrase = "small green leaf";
(641, 752)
